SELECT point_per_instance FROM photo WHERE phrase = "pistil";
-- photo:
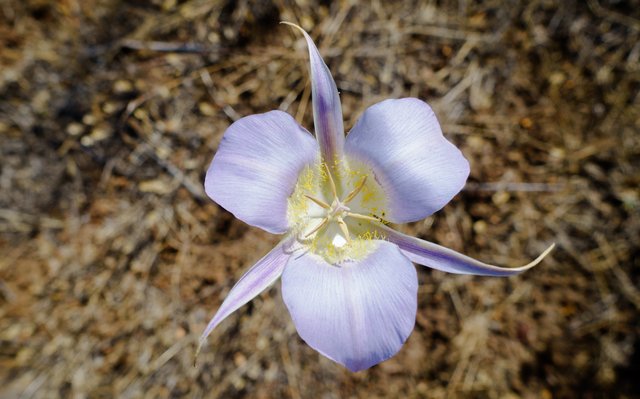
(338, 209)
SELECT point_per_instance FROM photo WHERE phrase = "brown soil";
(112, 258)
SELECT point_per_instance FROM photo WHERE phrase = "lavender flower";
(347, 278)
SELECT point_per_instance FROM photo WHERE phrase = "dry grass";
(112, 259)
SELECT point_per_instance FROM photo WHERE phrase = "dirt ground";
(112, 258)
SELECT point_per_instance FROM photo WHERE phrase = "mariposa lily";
(347, 277)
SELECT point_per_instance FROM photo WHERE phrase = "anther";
(318, 227)
(333, 184)
(365, 217)
(355, 191)
(344, 228)
(320, 202)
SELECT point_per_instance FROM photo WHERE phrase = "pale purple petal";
(259, 277)
(327, 111)
(419, 170)
(357, 314)
(447, 260)
(257, 166)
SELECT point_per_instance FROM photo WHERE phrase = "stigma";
(334, 210)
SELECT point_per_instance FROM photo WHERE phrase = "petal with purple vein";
(358, 313)
(256, 168)
(417, 167)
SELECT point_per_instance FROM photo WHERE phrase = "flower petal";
(327, 111)
(357, 314)
(257, 166)
(447, 260)
(253, 282)
(419, 170)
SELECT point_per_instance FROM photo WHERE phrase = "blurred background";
(112, 258)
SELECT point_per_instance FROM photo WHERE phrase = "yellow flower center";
(334, 210)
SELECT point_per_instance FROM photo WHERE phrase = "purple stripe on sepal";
(327, 110)
(447, 260)
(259, 277)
